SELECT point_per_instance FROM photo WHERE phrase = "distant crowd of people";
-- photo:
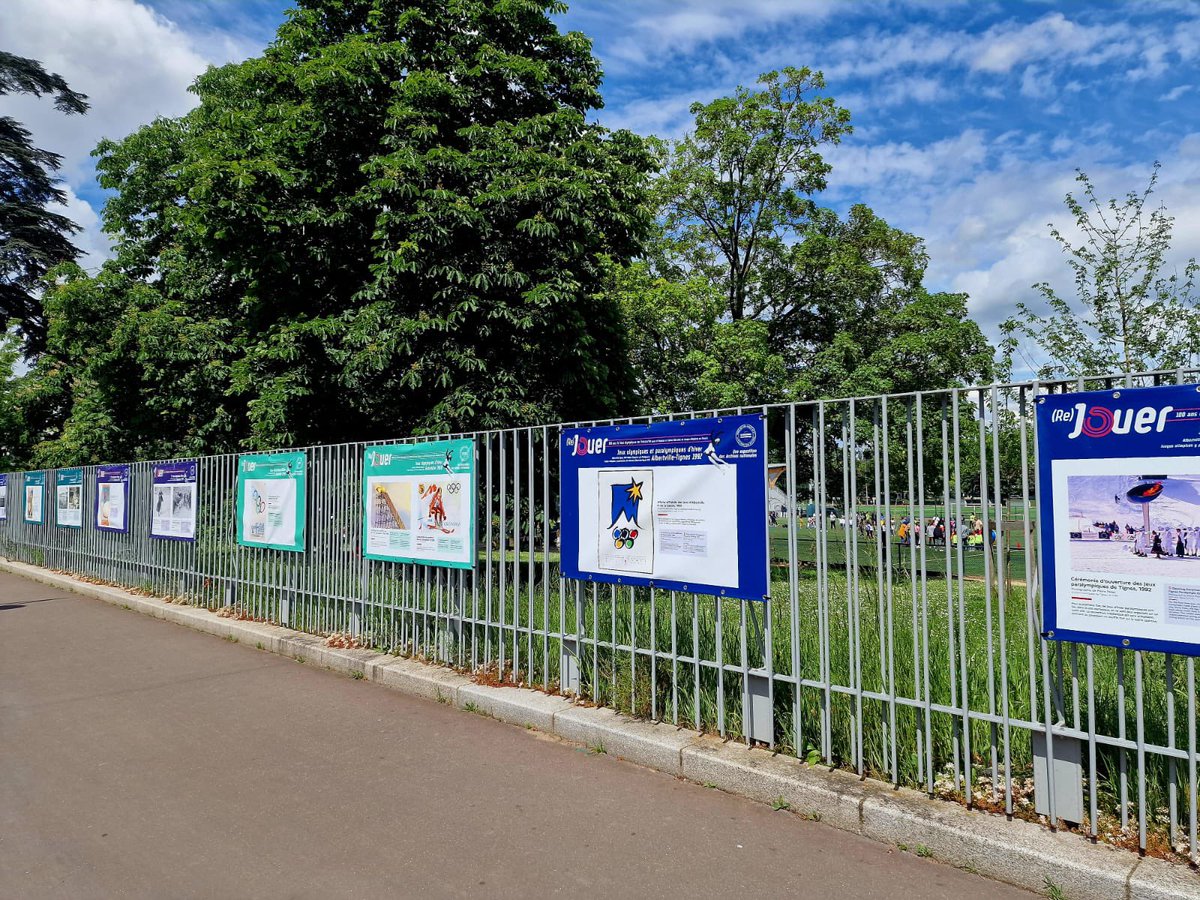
(936, 531)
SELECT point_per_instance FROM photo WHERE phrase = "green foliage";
(754, 293)
(32, 239)
(736, 188)
(13, 434)
(394, 220)
(127, 373)
(1128, 313)
(686, 354)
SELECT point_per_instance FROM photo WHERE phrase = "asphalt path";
(141, 759)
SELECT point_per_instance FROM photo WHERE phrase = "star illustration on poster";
(626, 498)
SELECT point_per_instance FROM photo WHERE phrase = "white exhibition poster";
(173, 501)
(271, 500)
(68, 489)
(419, 503)
(1120, 517)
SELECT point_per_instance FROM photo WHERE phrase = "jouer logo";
(584, 446)
(1099, 421)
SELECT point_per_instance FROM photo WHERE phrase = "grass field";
(904, 557)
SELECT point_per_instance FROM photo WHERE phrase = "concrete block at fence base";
(1021, 853)
(587, 725)
(272, 637)
(653, 744)
(420, 680)
(816, 793)
(513, 705)
(308, 647)
(1157, 879)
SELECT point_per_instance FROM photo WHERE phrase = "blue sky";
(970, 118)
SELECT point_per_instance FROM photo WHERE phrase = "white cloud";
(901, 166)
(661, 29)
(1004, 47)
(1007, 247)
(666, 117)
(1035, 83)
(1176, 92)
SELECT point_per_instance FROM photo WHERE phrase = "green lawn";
(904, 557)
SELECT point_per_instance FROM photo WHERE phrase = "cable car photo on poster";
(1119, 508)
(680, 505)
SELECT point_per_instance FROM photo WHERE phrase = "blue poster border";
(189, 466)
(103, 475)
(36, 478)
(1050, 448)
(754, 578)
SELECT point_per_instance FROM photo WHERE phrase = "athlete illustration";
(437, 510)
(260, 505)
(710, 452)
(446, 464)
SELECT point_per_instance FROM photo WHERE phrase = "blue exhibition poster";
(112, 498)
(680, 505)
(174, 497)
(1119, 482)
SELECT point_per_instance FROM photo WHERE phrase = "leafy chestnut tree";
(396, 218)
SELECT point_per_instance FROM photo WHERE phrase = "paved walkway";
(140, 759)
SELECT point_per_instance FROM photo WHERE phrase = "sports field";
(975, 562)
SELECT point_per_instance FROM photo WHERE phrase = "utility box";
(1068, 777)
(760, 717)
(568, 666)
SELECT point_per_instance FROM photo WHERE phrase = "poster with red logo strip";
(1119, 510)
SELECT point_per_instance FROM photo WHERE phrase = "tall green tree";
(737, 188)
(1131, 312)
(395, 219)
(833, 304)
(33, 239)
(14, 436)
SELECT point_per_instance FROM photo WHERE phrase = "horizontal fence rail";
(917, 660)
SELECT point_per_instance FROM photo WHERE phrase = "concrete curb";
(1016, 852)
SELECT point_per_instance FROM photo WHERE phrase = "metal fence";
(919, 662)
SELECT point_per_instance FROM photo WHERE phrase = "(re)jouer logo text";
(1099, 421)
